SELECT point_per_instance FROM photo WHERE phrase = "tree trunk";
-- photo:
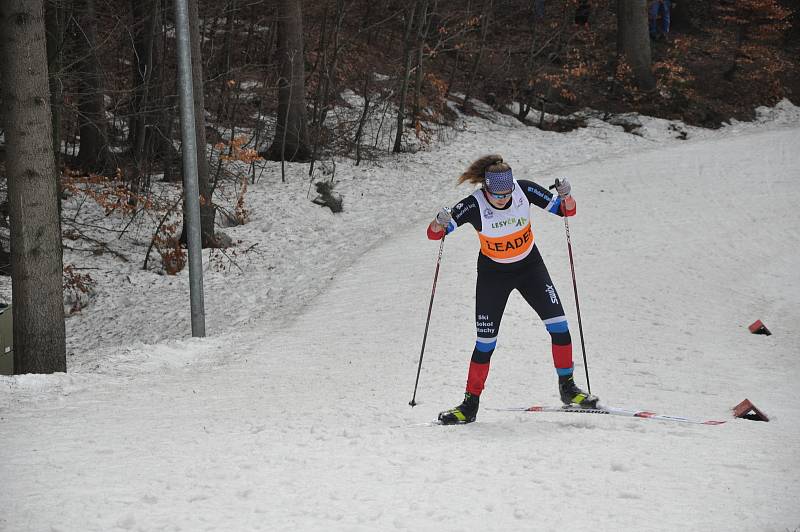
(422, 37)
(145, 17)
(225, 74)
(54, 25)
(365, 21)
(327, 78)
(146, 20)
(401, 103)
(524, 90)
(633, 40)
(453, 71)
(36, 257)
(319, 66)
(159, 141)
(291, 137)
(485, 19)
(363, 119)
(94, 154)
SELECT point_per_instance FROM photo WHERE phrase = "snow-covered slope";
(293, 414)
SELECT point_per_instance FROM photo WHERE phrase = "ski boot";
(463, 413)
(572, 395)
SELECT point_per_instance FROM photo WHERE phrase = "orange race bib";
(507, 248)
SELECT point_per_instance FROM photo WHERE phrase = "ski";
(434, 423)
(607, 410)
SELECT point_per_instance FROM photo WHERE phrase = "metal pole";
(574, 285)
(413, 401)
(189, 148)
(577, 305)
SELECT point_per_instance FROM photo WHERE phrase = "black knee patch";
(481, 357)
(561, 338)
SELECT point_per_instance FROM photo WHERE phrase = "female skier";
(509, 259)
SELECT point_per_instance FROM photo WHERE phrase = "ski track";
(303, 424)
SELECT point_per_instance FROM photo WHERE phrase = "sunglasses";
(501, 196)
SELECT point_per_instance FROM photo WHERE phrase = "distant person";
(538, 9)
(500, 211)
(582, 13)
(659, 11)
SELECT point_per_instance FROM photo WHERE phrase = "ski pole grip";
(555, 186)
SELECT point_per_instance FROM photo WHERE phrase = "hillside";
(720, 60)
(293, 414)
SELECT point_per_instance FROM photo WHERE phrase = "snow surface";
(293, 414)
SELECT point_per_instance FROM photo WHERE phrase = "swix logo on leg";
(552, 293)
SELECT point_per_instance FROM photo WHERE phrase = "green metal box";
(6, 340)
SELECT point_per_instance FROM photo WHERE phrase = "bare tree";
(485, 21)
(327, 76)
(291, 136)
(94, 152)
(408, 43)
(146, 20)
(55, 24)
(633, 40)
(363, 119)
(36, 256)
(423, 28)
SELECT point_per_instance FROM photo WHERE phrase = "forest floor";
(720, 60)
(714, 68)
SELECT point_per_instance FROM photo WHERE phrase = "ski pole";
(413, 402)
(574, 285)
